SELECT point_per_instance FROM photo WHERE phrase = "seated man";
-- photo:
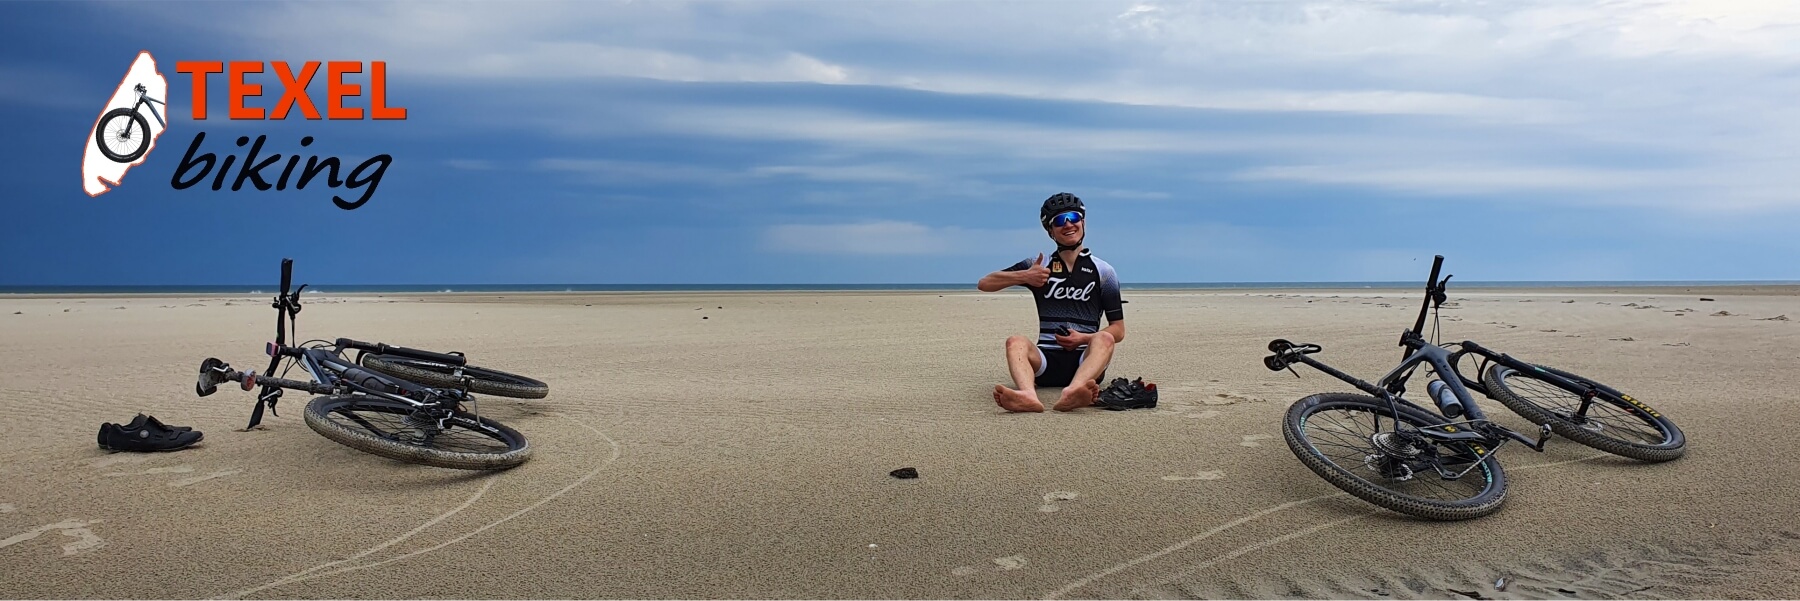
(1072, 291)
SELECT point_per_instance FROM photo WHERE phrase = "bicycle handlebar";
(1431, 289)
(287, 275)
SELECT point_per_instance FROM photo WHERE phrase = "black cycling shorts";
(1057, 367)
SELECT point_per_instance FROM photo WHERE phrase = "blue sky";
(878, 142)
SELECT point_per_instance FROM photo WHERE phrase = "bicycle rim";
(1613, 422)
(1339, 438)
(389, 429)
(122, 136)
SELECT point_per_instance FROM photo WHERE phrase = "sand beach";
(738, 445)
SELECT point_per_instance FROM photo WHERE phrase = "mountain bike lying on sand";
(1407, 458)
(397, 402)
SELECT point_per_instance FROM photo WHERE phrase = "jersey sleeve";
(1110, 301)
(1022, 265)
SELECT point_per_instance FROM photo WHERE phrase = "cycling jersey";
(1074, 296)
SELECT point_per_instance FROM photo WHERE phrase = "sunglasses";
(1066, 218)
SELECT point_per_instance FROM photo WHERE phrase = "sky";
(912, 142)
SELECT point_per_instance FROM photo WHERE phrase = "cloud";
(844, 173)
(1730, 188)
(1680, 103)
(890, 238)
(606, 171)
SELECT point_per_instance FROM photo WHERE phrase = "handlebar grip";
(1436, 265)
(287, 275)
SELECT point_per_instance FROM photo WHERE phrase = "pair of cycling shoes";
(146, 433)
(1127, 394)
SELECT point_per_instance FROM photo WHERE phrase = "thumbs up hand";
(1038, 273)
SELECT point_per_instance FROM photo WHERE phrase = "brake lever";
(294, 301)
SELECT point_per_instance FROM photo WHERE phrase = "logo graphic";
(1056, 267)
(1059, 292)
(123, 136)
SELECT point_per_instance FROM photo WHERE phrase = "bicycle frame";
(1415, 343)
(333, 373)
(145, 100)
(1475, 428)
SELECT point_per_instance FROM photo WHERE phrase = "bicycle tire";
(1662, 441)
(432, 373)
(1380, 490)
(357, 421)
(100, 134)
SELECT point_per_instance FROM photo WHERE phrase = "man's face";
(1068, 234)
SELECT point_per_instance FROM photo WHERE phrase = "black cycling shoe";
(1124, 394)
(151, 419)
(144, 433)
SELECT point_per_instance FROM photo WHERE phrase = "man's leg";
(1022, 361)
(1083, 389)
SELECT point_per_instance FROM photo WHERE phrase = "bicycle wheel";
(1614, 422)
(122, 135)
(1336, 436)
(382, 427)
(432, 373)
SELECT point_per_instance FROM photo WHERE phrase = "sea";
(498, 288)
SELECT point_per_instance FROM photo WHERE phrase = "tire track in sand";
(314, 572)
(1128, 564)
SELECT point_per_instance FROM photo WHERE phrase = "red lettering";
(199, 69)
(294, 91)
(241, 90)
(378, 108)
(336, 90)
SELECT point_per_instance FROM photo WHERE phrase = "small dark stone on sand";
(702, 317)
(1706, 299)
(905, 473)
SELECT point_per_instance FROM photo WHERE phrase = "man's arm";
(1078, 339)
(1024, 273)
(1117, 329)
(1110, 301)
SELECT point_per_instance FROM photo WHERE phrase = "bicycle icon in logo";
(123, 134)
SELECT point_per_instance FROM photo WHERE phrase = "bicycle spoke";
(459, 435)
(1602, 416)
(1344, 438)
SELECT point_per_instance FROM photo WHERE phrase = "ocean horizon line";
(485, 288)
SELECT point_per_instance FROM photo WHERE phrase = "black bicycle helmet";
(1058, 203)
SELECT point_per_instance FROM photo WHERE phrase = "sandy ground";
(738, 445)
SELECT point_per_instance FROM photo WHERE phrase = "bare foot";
(1014, 400)
(1078, 395)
